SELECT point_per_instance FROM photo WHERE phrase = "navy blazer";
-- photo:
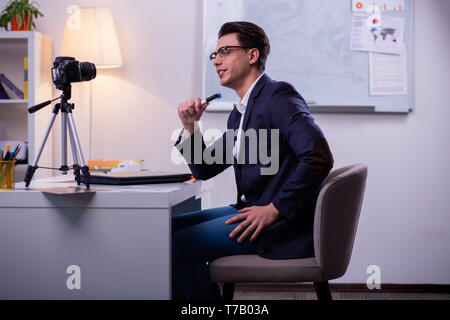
(304, 161)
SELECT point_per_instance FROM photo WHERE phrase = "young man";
(273, 214)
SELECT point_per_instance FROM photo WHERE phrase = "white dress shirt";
(241, 107)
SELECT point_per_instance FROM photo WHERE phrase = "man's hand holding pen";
(189, 112)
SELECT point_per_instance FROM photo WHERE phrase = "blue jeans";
(199, 237)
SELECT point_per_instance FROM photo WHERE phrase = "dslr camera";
(66, 70)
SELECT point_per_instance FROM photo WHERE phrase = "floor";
(252, 292)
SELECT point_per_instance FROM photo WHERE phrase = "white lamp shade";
(90, 36)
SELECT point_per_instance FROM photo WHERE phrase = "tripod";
(67, 124)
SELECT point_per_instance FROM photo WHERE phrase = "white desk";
(119, 238)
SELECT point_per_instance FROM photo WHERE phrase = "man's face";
(234, 67)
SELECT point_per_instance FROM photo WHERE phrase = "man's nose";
(217, 62)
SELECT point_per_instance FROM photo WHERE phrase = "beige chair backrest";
(336, 218)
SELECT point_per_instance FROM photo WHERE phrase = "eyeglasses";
(224, 51)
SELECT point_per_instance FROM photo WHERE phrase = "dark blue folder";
(140, 177)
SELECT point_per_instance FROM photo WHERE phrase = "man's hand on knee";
(256, 218)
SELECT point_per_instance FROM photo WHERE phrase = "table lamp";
(90, 36)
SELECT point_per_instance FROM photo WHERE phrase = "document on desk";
(387, 74)
(70, 190)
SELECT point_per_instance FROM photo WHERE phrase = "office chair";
(335, 222)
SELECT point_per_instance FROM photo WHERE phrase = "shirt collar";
(243, 103)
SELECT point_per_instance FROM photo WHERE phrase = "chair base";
(322, 290)
(228, 291)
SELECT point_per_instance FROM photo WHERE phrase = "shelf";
(22, 35)
(8, 101)
(15, 121)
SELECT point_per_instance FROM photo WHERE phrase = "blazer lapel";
(234, 119)
(251, 101)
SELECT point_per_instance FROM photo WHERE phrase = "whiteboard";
(310, 48)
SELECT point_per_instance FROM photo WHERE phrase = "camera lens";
(88, 71)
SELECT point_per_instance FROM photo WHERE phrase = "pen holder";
(7, 169)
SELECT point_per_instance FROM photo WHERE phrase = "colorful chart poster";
(382, 34)
(377, 5)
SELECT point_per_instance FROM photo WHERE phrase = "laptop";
(138, 177)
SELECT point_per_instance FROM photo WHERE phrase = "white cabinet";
(15, 121)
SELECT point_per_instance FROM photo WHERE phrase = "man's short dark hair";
(249, 35)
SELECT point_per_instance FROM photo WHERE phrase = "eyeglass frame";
(214, 54)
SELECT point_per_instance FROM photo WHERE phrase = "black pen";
(210, 98)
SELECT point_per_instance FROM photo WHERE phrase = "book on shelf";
(25, 78)
(12, 91)
(3, 94)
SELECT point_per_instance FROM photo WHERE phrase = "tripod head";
(66, 95)
(66, 88)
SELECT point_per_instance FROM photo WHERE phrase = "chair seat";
(253, 268)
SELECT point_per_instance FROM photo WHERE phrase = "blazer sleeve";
(314, 159)
(204, 162)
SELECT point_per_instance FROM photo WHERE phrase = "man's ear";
(253, 55)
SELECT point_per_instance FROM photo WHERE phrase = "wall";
(134, 107)
(404, 226)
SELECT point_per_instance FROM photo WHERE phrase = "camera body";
(67, 70)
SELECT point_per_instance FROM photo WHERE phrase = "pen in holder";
(7, 175)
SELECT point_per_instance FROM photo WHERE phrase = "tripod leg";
(32, 168)
(86, 176)
(76, 166)
(76, 141)
(64, 168)
(77, 173)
